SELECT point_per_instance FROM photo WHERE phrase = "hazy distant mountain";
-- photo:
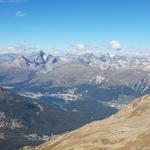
(128, 129)
(7, 57)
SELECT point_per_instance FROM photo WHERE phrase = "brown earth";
(129, 129)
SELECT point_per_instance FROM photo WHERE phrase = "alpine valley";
(43, 95)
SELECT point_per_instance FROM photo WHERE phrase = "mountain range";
(123, 77)
(44, 95)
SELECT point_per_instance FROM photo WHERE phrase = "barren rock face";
(127, 130)
(6, 122)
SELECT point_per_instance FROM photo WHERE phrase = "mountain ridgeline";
(124, 77)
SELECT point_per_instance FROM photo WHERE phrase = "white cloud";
(138, 51)
(83, 47)
(21, 14)
(11, 1)
(115, 45)
(22, 49)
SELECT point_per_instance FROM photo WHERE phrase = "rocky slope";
(127, 130)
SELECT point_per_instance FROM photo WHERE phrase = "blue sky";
(61, 23)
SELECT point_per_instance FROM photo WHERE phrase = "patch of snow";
(69, 95)
(99, 79)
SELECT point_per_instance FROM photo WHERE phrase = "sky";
(76, 24)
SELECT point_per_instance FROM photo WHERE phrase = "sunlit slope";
(127, 130)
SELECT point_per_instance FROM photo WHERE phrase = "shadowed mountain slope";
(26, 121)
